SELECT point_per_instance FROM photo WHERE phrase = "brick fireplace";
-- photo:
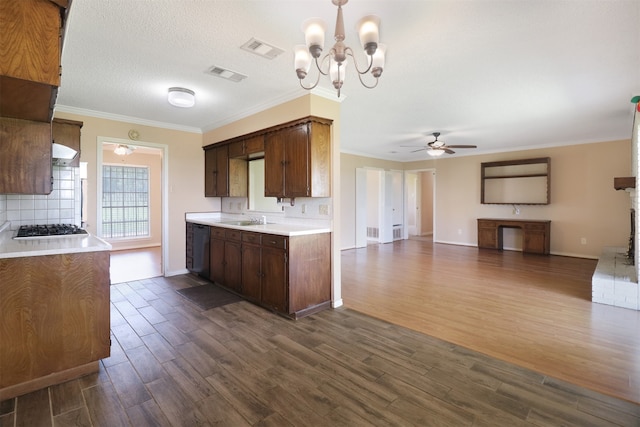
(615, 281)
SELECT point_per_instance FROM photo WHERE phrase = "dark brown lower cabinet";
(225, 253)
(287, 274)
(274, 272)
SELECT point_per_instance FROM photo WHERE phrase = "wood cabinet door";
(210, 167)
(216, 172)
(534, 242)
(67, 133)
(222, 171)
(274, 279)
(254, 145)
(25, 157)
(189, 246)
(296, 161)
(488, 235)
(233, 265)
(274, 164)
(216, 260)
(251, 272)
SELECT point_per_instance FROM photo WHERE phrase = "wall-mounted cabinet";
(247, 147)
(519, 182)
(30, 66)
(297, 160)
(25, 157)
(67, 133)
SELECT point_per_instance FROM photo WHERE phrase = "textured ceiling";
(502, 75)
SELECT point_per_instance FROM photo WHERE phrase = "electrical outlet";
(323, 209)
(303, 208)
(583, 241)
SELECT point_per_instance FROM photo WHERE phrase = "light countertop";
(281, 228)
(16, 248)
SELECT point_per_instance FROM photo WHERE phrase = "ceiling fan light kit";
(437, 148)
(314, 30)
(123, 150)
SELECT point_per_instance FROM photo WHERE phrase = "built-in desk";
(536, 234)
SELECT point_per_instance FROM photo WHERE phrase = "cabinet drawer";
(274, 241)
(254, 238)
(217, 232)
(486, 224)
(233, 235)
(540, 227)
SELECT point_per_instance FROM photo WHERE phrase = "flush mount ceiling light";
(123, 150)
(334, 63)
(181, 97)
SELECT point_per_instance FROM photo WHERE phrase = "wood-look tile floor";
(172, 364)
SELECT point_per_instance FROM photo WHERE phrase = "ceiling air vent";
(261, 48)
(224, 73)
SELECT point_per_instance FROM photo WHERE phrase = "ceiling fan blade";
(446, 150)
(419, 149)
(462, 146)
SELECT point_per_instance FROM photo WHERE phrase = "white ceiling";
(503, 75)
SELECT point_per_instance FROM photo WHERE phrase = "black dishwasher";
(201, 250)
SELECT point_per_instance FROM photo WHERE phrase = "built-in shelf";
(521, 182)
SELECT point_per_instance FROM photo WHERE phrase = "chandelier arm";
(360, 74)
(313, 85)
(349, 52)
(319, 65)
(366, 85)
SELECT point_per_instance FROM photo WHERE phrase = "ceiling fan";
(437, 148)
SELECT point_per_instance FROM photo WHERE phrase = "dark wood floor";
(239, 365)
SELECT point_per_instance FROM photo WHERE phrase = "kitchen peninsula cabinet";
(298, 160)
(25, 157)
(30, 68)
(290, 275)
(54, 319)
(264, 264)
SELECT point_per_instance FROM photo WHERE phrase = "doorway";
(420, 203)
(379, 206)
(142, 235)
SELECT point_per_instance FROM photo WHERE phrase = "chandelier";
(334, 63)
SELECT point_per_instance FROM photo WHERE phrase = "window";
(125, 201)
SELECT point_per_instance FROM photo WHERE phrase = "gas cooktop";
(49, 230)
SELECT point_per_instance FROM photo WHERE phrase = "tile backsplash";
(62, 206)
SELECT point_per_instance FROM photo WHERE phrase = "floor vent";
(397, 233)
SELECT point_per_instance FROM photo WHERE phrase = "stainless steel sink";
(241, 223)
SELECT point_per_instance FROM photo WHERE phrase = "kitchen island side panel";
(54, 315)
